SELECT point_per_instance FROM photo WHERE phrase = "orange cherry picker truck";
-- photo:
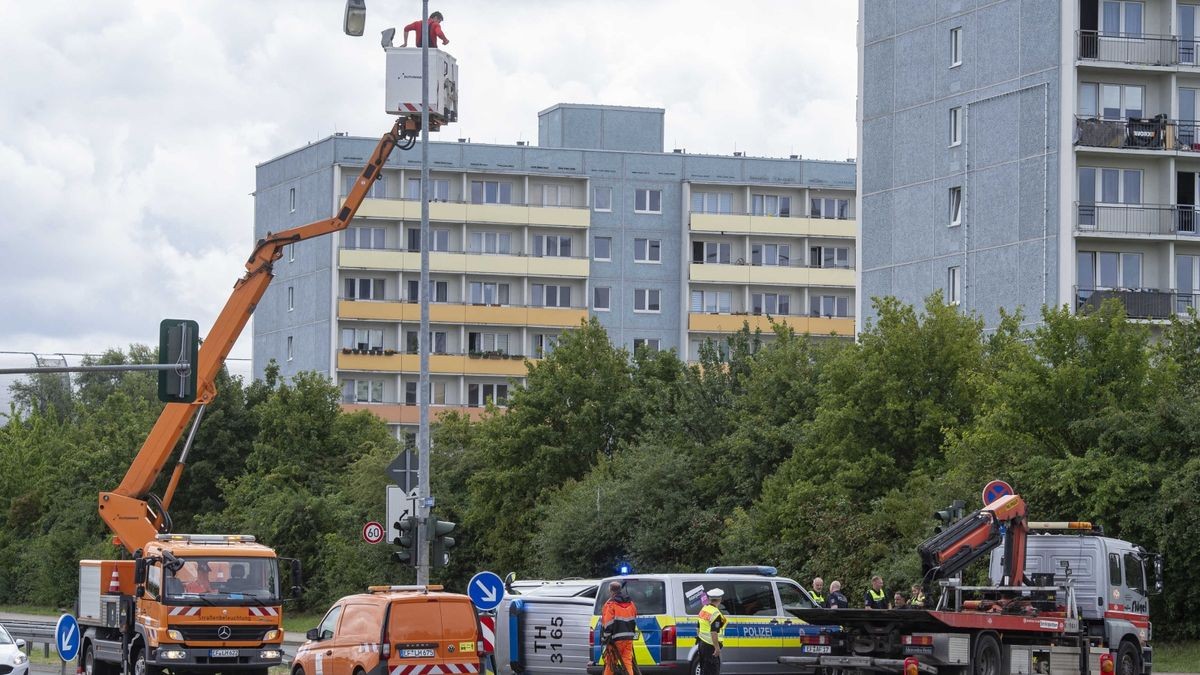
(191, 603)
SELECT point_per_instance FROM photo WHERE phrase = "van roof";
(696, 575)
(407, 595)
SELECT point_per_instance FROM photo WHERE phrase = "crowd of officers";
(874, 598)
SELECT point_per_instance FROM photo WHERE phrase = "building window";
(712, 302)
(646, 300)
(1121, 18)
(603, 199)
(544, 344)
(377, 190)
(491, 192)
(1113, 186)
(364, 339)
(771, 303)
(490, 242)
(955, 47)
(479, 395)
(441, 291)
(548, 295)
(363, 289)
(364, 237)
(488, 293)
(487, 342)
(955, 206)
(827, 207)
(601, 296)
(647, 201)
(1111, 101)
(290, 353)
(712, 252)
(602, 248)
(437, 342)
(291, 248)
(829, 305)
(440, 239)
(1108, 270)
(292, 199)
(362, 391)
(439, 189)
(437, 391)
(770, 205)
(771, 254)
(953, 285)
(956, 117)
(291, 298)
(555, 195)
(551, 245)
(829, 256)
(649, 344)
(712, 202)
(647, 250)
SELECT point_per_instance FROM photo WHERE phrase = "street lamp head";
(356, 17)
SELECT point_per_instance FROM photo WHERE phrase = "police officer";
(711, 629)
(917, 599)
(818, 592)
(837, 599)
(875, 597)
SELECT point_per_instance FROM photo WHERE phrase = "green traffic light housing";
(438, 531)
(406, 540)
(179, 346)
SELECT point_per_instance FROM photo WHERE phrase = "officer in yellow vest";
(876, 598)
(818, 592)
(917, 599)
(711, 629)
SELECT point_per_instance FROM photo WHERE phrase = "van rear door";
(415, 632)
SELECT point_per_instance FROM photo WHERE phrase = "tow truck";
(1064, 599)
(192, 603)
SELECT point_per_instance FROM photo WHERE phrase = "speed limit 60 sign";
(373, 532)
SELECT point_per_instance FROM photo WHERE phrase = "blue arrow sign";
(66, 637)
(486, 590)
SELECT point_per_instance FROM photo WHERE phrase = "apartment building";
(1016, 154)
(667, 249)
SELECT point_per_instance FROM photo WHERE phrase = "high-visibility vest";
(818, 598)
(878, 598)
(711, 619)
(619, 621)
(918, 599)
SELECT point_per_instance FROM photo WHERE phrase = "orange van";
(394, 630)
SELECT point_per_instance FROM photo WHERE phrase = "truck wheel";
(140, 667)
(1129, 660)
(987, 659)
(90, 665)
(298, 670)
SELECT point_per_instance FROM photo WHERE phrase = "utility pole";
(423, 340)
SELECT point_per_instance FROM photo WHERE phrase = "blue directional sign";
(66, 637)
(486, 590)
(995, 490)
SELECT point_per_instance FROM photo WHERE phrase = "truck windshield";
(225, 581)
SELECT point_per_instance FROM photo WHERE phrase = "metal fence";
(1137, 133)
(1139, 303)
(1136, 48)
(1160, 219)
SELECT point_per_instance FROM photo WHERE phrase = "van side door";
(324, 651)
(792, 597)
(755, 632)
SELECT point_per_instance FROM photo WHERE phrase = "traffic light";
(949, 514)
(178, 345)
(441, 543)
(407, 540)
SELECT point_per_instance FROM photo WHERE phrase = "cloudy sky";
(129, 130)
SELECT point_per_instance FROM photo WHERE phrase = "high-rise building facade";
(1020, 153)
(666, 249)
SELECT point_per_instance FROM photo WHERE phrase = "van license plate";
(223, 653)
(416, 653)
(816, 649)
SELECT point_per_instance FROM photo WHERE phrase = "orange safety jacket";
(619, 620)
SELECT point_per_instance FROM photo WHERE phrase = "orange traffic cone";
(114, 582)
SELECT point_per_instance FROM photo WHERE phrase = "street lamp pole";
(423, 339)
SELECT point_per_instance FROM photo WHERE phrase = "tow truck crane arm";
(1003, 521)
(136, 516)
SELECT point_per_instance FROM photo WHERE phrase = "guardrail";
(32, 632)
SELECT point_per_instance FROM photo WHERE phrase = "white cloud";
(131, 129)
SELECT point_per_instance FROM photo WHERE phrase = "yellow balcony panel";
(368, 310)
(843, 326)
(802, 227)
(726, 274)
(720, 222)
(370, 362)
(558, 267)
(440, 312)
(507, 214)
(524, 316)
(559, 216)
(409, 209)
(728, 323)
(827, 227)
(380, 208)
(358, 258)
(440, 364)
(831, 276)
(399, 413)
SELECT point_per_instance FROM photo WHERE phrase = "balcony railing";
(470, 202)
(1160, 219)
(781, 214)
(459, 250)
(1139, 303)
(1140, 48)
(741, 262)
(1138, 133)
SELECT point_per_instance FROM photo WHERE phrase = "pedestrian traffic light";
(406, 540)
(441, 543)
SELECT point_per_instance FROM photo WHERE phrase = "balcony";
(1138, 133)
(439, 364)
(1146, 304)
(775, 275)
(794, 226)
(459, 262)
(1166, 51)
(1170, 220)
(402, 413)
(730, 323)
(462, 313)
(460, 212)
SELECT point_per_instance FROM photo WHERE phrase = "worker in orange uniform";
(618, 629)
(435, 31)
(201, 584)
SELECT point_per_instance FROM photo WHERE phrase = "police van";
(757, 605)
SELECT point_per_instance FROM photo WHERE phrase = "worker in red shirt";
(435, 30)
